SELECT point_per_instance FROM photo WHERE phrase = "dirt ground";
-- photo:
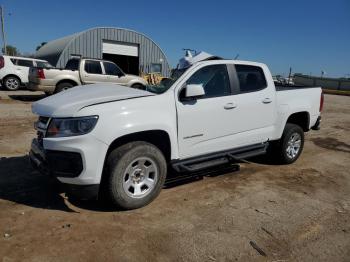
(299, 212)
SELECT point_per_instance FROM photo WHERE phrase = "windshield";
(166, 83)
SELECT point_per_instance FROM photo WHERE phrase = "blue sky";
(309, 35)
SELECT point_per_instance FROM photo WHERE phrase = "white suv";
(14, 71)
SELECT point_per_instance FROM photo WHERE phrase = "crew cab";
(80, 71)
(123, 142)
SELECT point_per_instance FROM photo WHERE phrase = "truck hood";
(67, 103)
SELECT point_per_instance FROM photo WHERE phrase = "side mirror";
(120, 74)
(193, 91)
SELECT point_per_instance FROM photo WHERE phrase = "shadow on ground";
(27, 98)
(19, 183)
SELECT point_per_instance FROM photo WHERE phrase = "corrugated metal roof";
(55, 48)
(89, 44)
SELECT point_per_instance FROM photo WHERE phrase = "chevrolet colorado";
(123, 141)
(80, 71)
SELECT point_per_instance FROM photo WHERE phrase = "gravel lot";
(299, 212)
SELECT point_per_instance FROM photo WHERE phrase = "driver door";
(203, 121)
(114, 73)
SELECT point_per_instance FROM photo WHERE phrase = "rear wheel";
(12, 83)
(63, 86)
(290, 146)
(135, 174)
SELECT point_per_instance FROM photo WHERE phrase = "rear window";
(43, 64)
(93, 67)
(251, 78)
(14, 61)
(72, 64)
(26, 63)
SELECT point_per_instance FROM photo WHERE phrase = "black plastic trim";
(55, 163)
(218, 158)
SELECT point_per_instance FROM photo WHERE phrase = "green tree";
(11, 50)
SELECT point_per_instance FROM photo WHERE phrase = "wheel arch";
(157, 137)
(301, 119)
(74, 83)
(13, 75)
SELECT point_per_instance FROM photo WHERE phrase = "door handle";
(267, 100)
(230, 106)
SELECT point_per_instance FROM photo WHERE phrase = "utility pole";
(3, 29)
(290, 75)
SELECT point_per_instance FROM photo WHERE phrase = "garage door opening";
(125, 55)
(129, 64)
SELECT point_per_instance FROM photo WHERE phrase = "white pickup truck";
(123, 141)
(80, 71)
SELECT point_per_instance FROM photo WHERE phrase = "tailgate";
(33, 72)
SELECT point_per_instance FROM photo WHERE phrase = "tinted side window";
(14, 61)
(27, 63)
(156, 68)
(214, 79)
(72, 64)
(111, 69)
(93, 67)
(251, 78)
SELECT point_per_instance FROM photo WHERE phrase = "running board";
(220, 158)
(176, 179)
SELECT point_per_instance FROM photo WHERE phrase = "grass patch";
(336, 92)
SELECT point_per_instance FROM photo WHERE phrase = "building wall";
(89, 44)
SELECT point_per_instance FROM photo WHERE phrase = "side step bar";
(220, 158)
(182, 178)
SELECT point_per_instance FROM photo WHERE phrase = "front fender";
(120, 118)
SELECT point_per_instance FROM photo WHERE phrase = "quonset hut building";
(131, 51)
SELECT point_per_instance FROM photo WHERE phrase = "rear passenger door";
(22, 68)
(255, 100)
(92, 72)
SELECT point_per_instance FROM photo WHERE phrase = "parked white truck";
(122, 141)
(80, 71)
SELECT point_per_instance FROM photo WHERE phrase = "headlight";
(61, 127)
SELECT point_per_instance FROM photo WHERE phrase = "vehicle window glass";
(26, 63)
(112, 69)
(156, 68)
(72, 64)
(14, 61)
(251, 78)
(214, 78)
(43, 64)
(93, 67)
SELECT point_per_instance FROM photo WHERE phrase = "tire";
(12, 83)
(135, 174)
(289, 147)
(63, 86)
(138, 86)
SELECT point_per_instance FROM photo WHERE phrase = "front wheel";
(291, 144)
(135, 174)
